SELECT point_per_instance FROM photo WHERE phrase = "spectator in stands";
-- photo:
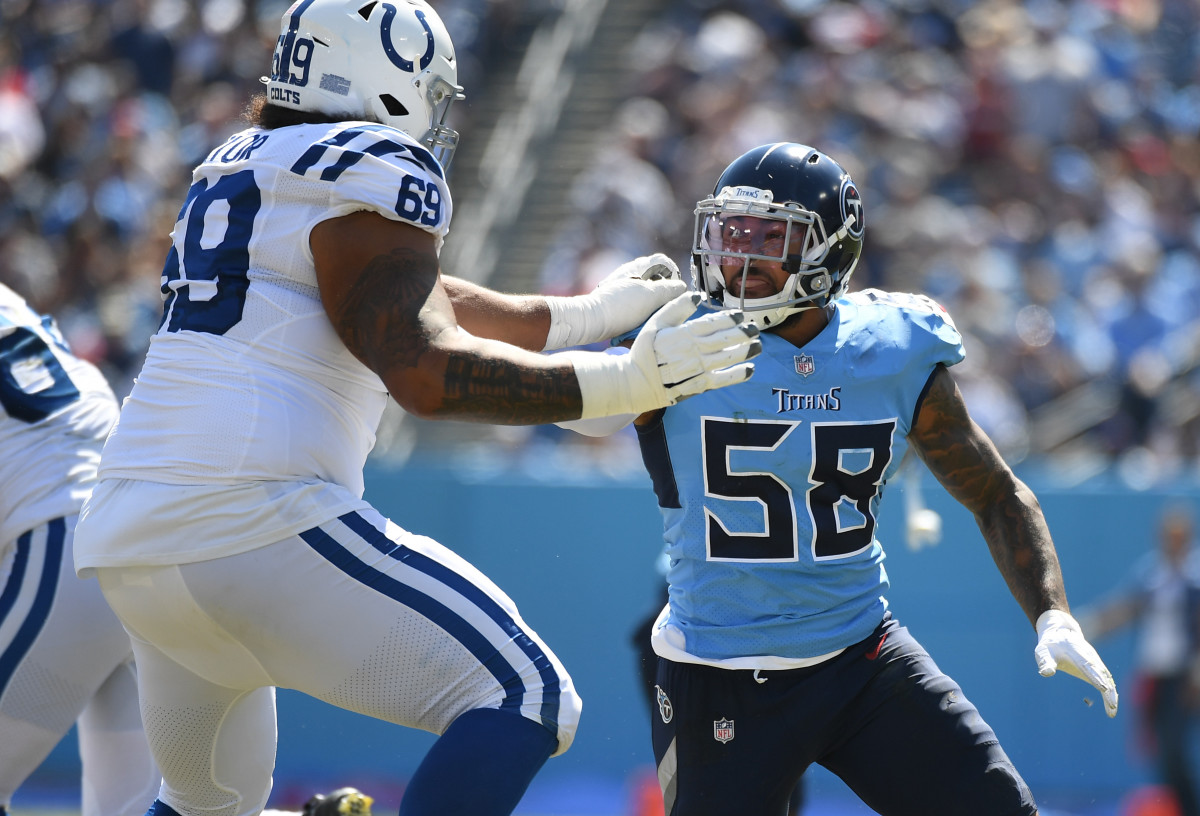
(1163, 600)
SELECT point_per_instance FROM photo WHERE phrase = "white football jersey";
(55, 411)
(246, 388)
(246, 379)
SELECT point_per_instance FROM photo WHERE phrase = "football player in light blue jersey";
(776, 647)
(301, 291)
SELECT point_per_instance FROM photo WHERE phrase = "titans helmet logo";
(852, 206)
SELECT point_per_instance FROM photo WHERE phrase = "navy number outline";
(212, 296)
(830, 484)
(24, 345)
(205, 290)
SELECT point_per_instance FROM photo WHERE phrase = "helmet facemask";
(742, 226)
(441, 139)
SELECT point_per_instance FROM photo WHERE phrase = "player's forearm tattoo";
(506, 393)
(381, 322)
(1008, 514)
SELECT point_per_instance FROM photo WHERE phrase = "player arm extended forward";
(384, 295)
(622, 301)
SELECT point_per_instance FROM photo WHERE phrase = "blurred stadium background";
(1032, 164)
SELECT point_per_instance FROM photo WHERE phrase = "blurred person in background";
(1161, 597)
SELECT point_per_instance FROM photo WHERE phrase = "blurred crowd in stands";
(1034, 165)
(105, 108)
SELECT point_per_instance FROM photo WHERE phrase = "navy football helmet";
(814, 226)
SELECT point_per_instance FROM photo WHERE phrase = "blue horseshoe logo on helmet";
(385, 35)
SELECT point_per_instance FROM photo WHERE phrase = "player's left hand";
(621, 302)
(1061, 645)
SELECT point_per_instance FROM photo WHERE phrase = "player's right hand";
(649, 267)
(702, 354)
(672, 358)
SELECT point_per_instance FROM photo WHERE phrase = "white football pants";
(356, 612)
(64, 658)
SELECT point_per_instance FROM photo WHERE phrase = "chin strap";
(767, 315)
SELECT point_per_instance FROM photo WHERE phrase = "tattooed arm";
(966, 462)
(382, 290)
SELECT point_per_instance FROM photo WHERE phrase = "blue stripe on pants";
(461, 630)
(550, 684)
(43, 599)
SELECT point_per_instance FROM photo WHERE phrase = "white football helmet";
(389, 60)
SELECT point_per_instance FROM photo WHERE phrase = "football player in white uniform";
(64, 657)
(228, 530)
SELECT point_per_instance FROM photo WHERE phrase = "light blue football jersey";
(770, 490)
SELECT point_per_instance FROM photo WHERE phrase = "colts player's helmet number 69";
(385, 60)
(780, 203)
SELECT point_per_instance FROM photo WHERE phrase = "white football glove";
(619, 303)
(1061, 645)
(670, 359)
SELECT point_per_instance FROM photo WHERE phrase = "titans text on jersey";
(791, 401)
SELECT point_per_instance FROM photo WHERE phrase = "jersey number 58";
(849, 460)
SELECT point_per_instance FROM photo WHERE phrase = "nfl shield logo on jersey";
(723, 730)
(805, 365)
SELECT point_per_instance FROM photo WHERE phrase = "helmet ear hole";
(393, 105)
(365, 11)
